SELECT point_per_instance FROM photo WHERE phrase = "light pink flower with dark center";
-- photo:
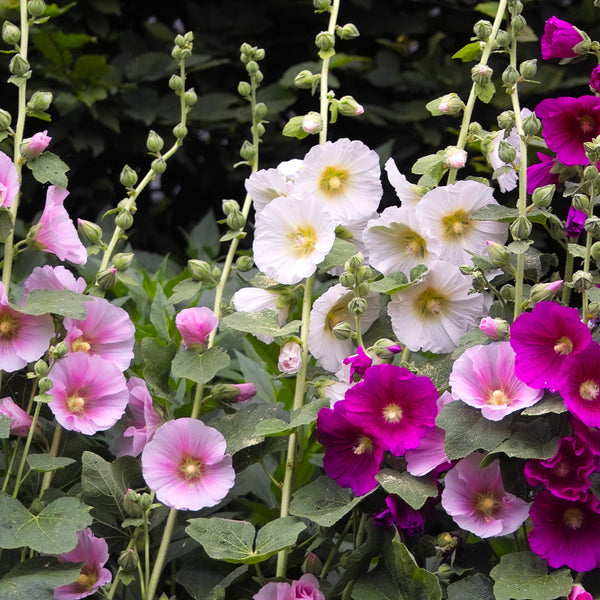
(20, 421)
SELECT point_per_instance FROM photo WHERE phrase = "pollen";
(87, 580)
(80, 345)
(191, 469)
(589, 390)
(563, 346)
(303, 241)
(498, 398)
(332, 181)
(8, 326)
(364, 445)
(75, 404)
(487, 504)
(457, 224)
(392, 413)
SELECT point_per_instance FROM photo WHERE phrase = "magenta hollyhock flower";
(90, 393)
(93, 552)
(476, 499)
(359, 363)
(580, 387)
(595, 79)
(20, 421)
(55, 232)
(186, 465)
(542, 339)
(106, 331)
(195, 325)
(53, 278)
(141, 419)
(559, 38)
(9, 181)
(578, 593)
(590, 436)
(305, 588)
(290, 358)
(566, 473)
(23, 338)
(393, 405)
(540, 174)
(352, 456)
(566, 532)
(568, 124)
(400, 514)
(575, 222)
(484, 377)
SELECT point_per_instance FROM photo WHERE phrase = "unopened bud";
(531, 124)
(507, 152)
(244, 89)
(506, 119)
(475, 128)
(499, 255)
(244, 263)
(590, 173)
(349, 31)
(354, 262)
(448, 104)
(503, 39)
(180, 131)
(542, 292)
(225, 392)
(11, 34)
(18, 65)
(305, 79)
(252, 67)
(128, 177)
(199, 270)
(145, 501)
(363, 289)
(508, 292)
(190, 97)
(44, 385)
(158, 166)
(542, 196)
(520, 228)
(528, 68)
(128, 560)
(454, 157)
(510, 76)
(325, 41)
(131, 504)
(580, 202)
(235, 220)
(5, 119)
(495, 329)
(124, 219)
(107, 278)
(312, 122)
(36, 8)
(322, 5)
(260, 111)
(592, 226)
(89, 232)
(176, 84)
(228, 206)
(518, 23)
(60, 350)
(246, 49)
(582, 281)
(482, 29)
(247, 151)
(358, 306)
(154, 143)
(385, 349)
(349, 107)
(122, 260)
(481, 73)
(342, 331)
(595, 251)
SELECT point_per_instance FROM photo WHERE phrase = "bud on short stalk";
(128, 177)
(349, 107)
(154, 143)
(520, 228)
(342, 331)
(11, 34)
(481, 73)
(582, 281)
(89, 232)
(349, 31)
(528, 68)
(36, 8)
(507, 152)
(122, 260)
(542, 196)
(18, 65)
(531, 124)
(107, 278)
(482, 29)
(325, 41)
(199, 269)
(244, 263)
(305, 79)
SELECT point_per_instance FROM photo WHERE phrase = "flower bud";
(225, 392)
(190, 97)
(124, 219)
(305, 79)
(510, 76)
(531, 124)
(347, 280)
(358, 306)
(228, 206)
(481, 73)
(448, 104)
(474, 129)
(18, 65)
(45, 385)
(128, 177)
(122, 260)
(580, 202)
(260, 111)
(506, 119)
(363, 273)
(5, 119)
(354, 262)
(349, 107)
(41, 368)
(248, 151)
(342, 331)
(244, 263)
(542, 292)
(515, 7)
(325, 41)
(503, 39)
(259, 53)
(482, 29)
(590, 173)
(158, 166)
(454, 157)
(89, 232)
(60, 350)
(592, 225)
(520, 228)
(40, 101)
(322, 5)
(131, 504)
(199, 269)
(146, 501)
(385, 349)
(595, 251)
(244, 89)
(176, 84)
(11, 34)
(499, 255)
(32, 147)
(36, 8)
(507, 152)
(107, 278)
(290, 358)
(312, 122)
(582, 281)
(312, 564)
(246, 50)
(128, 560)
(363, 289)
(508, 292)
(235, 220)
(542, 196)
(154, 143)
(349, 31)
(518, 23)
(528, 68)
(252, 68)
(495, 329)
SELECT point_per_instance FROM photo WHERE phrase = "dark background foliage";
(111, 86)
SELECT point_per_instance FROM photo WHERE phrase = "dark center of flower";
(563, 346)
(332, 181)
(430, 303)
(457, 224)
(498, 397)
(562, 469)
(303, 241)
(363, 446)
(80, 345)
(8, 326)
(487, 504)
(392, 413)
(589, 390)
(191, 469)
(587, 125)
(573, 518)
(87, 579)
(75, 404)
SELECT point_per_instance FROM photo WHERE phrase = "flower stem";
(34, 419)
(324, 85)
(161, 555)
(47, 480)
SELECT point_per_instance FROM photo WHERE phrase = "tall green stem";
(324, 84)
(161, 555)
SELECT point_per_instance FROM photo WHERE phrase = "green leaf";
(427, 163)
(576, 250)
(305, 415)
(204, 238)
(488, 8)
(475, 587)
(161, 313)
(293, 128)
(469, 52)
(495, 212)
(46, 462)
(5, 423)
(200, 368)
(157, 359)
(523, 575)
(275, 536)
(6, 224)
(340, 252)
(394, 282)
(49, 168)
(185, 291)
(552, 403)
(262, 322)
(413, 490)
(485, 91)
(52, 531)
(59, 302)
(529, 440)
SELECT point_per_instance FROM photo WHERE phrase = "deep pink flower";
(359, 363)
(290, 358)
(540, 174)
(20, 421)
(186, 465)
(55, 232)
(568, 124)
(595, 79)
(400, 514)
(247, 391)
(142, 420)
(93, 552)
(53, 278)
(90, 393)
(542, 339)
(305, 588)
(195, 325)
(106, 331)
(393, 405)
(575, 222)
(23, 338)
(9, 181)
(578, 593)
(566, 532)
(476, 499)
(559, 38)
(590, 436)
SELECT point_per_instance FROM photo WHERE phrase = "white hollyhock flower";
(266, 185)
(446, 211)
(292, 236)
(433, 314)
(344, 177)
(398, 241)
(251, 299)
(407, 193)
(328, 310)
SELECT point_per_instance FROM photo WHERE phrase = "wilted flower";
(20, 421)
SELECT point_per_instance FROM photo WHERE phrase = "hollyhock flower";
(352, 456)
(359, 363)
(186, 465)
(343, 176)
(408, 194)
(23, 338)
(327, 311)
(476, 499)
(397, 240)
(292, 236)
(455, 157)
(305, 588)
(290, 358)
(540, 174)
(195, 326)
(484, 377)
(495, 329)
(247, 391)
(93, 552)
(542, 339)
(20, 421)
(9, 181)
(106, 331)
(566, 532)
(433, 313)
(250, 299)
(578, 593)
(590, 436)
(266, 185)
(568, 124)
(595, 79)
(274, 590)
(566, 473)
(559, 39)
(32, 147)
(575, 222)
(404, 517)
(446, 211)
(394, 405)
(52, 278)
(141, 421)
(90, 393)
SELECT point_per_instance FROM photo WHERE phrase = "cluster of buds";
(356, 277)
(234, 218)
(182, 49)
(201, 271)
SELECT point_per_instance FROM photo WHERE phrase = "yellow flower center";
(80, 345)
(573, 518)
(498, 397)
(408, 241)
(430, 303)
(487, 504)
(563, 346)
(75, 404)
(8, 326)
(392, 413)
(338, 313)
(589, 390)
(191, 468)
(332, 181)
(303, 241)
(364, 445)
(86, 580)
(457, 224)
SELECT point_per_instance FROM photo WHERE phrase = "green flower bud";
(358, 306)
(244, 263)
(122, 260)
(475, 128)
(542, 196)
(252, 67)
(592, 150)
(518, 23)
(45, 385)
(349, 107)
(590, 173)
(363, 289)
(189, 37)
(520, 228)
(445, 572)
(260, 129)
(145, 501)
(385, 349)
(515, 7)
(349, 31)
(107, 278)
(363, 273)
(36, 507)
(528, 68)
(89, 232)
(225, 392)
(503, 39)
(312, 122)
(215, 273)
(325, 41)
(482, 29)
(131, 504)
(158, 166)
(305, 79)
(582, 281)
(508, 292)
(499, 255)
(506, 119)
(180, 131)
(507, 152)
(128, 560)
(229, 206)
(258, 77)
(354, 262)
(235, 220)
(244, 89)
(199, 269)
(342, 331)
(190, 97)
(60, 350)
(40, 101)
(446, 542)
(176, 84)
(36, 8)
(595, 251)
(11, 34)
(18, 65)
(246, 49)
(154, 143)
(543, 292)
(124, 219)
(347, 280)
(322, 5)
(259, 53)
(260, 111)
(510, 76)
(592, 225)
(531, 124)
(180, 41)
(5, 119)
(41, 368)
(481, 73)
(128, 177)
(580, 202)
(448, 104)
(248, 151)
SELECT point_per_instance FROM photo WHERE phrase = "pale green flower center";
(332, 180)
(457, 224)
(303, 240)
(430, 303)
(337, 313)
(191, 468)
(8, 326)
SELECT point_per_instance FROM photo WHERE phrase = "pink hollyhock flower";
(93, 552)
(142, 420)
(9, 181)
(53, 278)
(274, 591)
(352, 456)
(247, 391)
(595, 79)
(305, 588)
(575, 222)
(568, 124)
(290, 358)
(106, 331)
(578, 593)
(540, 174)
(566, 532)
(20, 421)
(55, 232)
(23, 338)
(542, 340)
(559, 38)
(566, 473)
(186, 465)
(484, 377)
(32, 147)
(90, 393)
(393, 405)
(195, 325)
(476, 499)
(359, 363)
(495, 329)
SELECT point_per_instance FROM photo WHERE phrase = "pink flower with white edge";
(23, 338)
(90, 393)
(53, 278)
(186, 465)
(290, 358)
(93, 552)
(106, 331)
(20, 421)
(55, 231)
(195, 325)
(9, 181)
